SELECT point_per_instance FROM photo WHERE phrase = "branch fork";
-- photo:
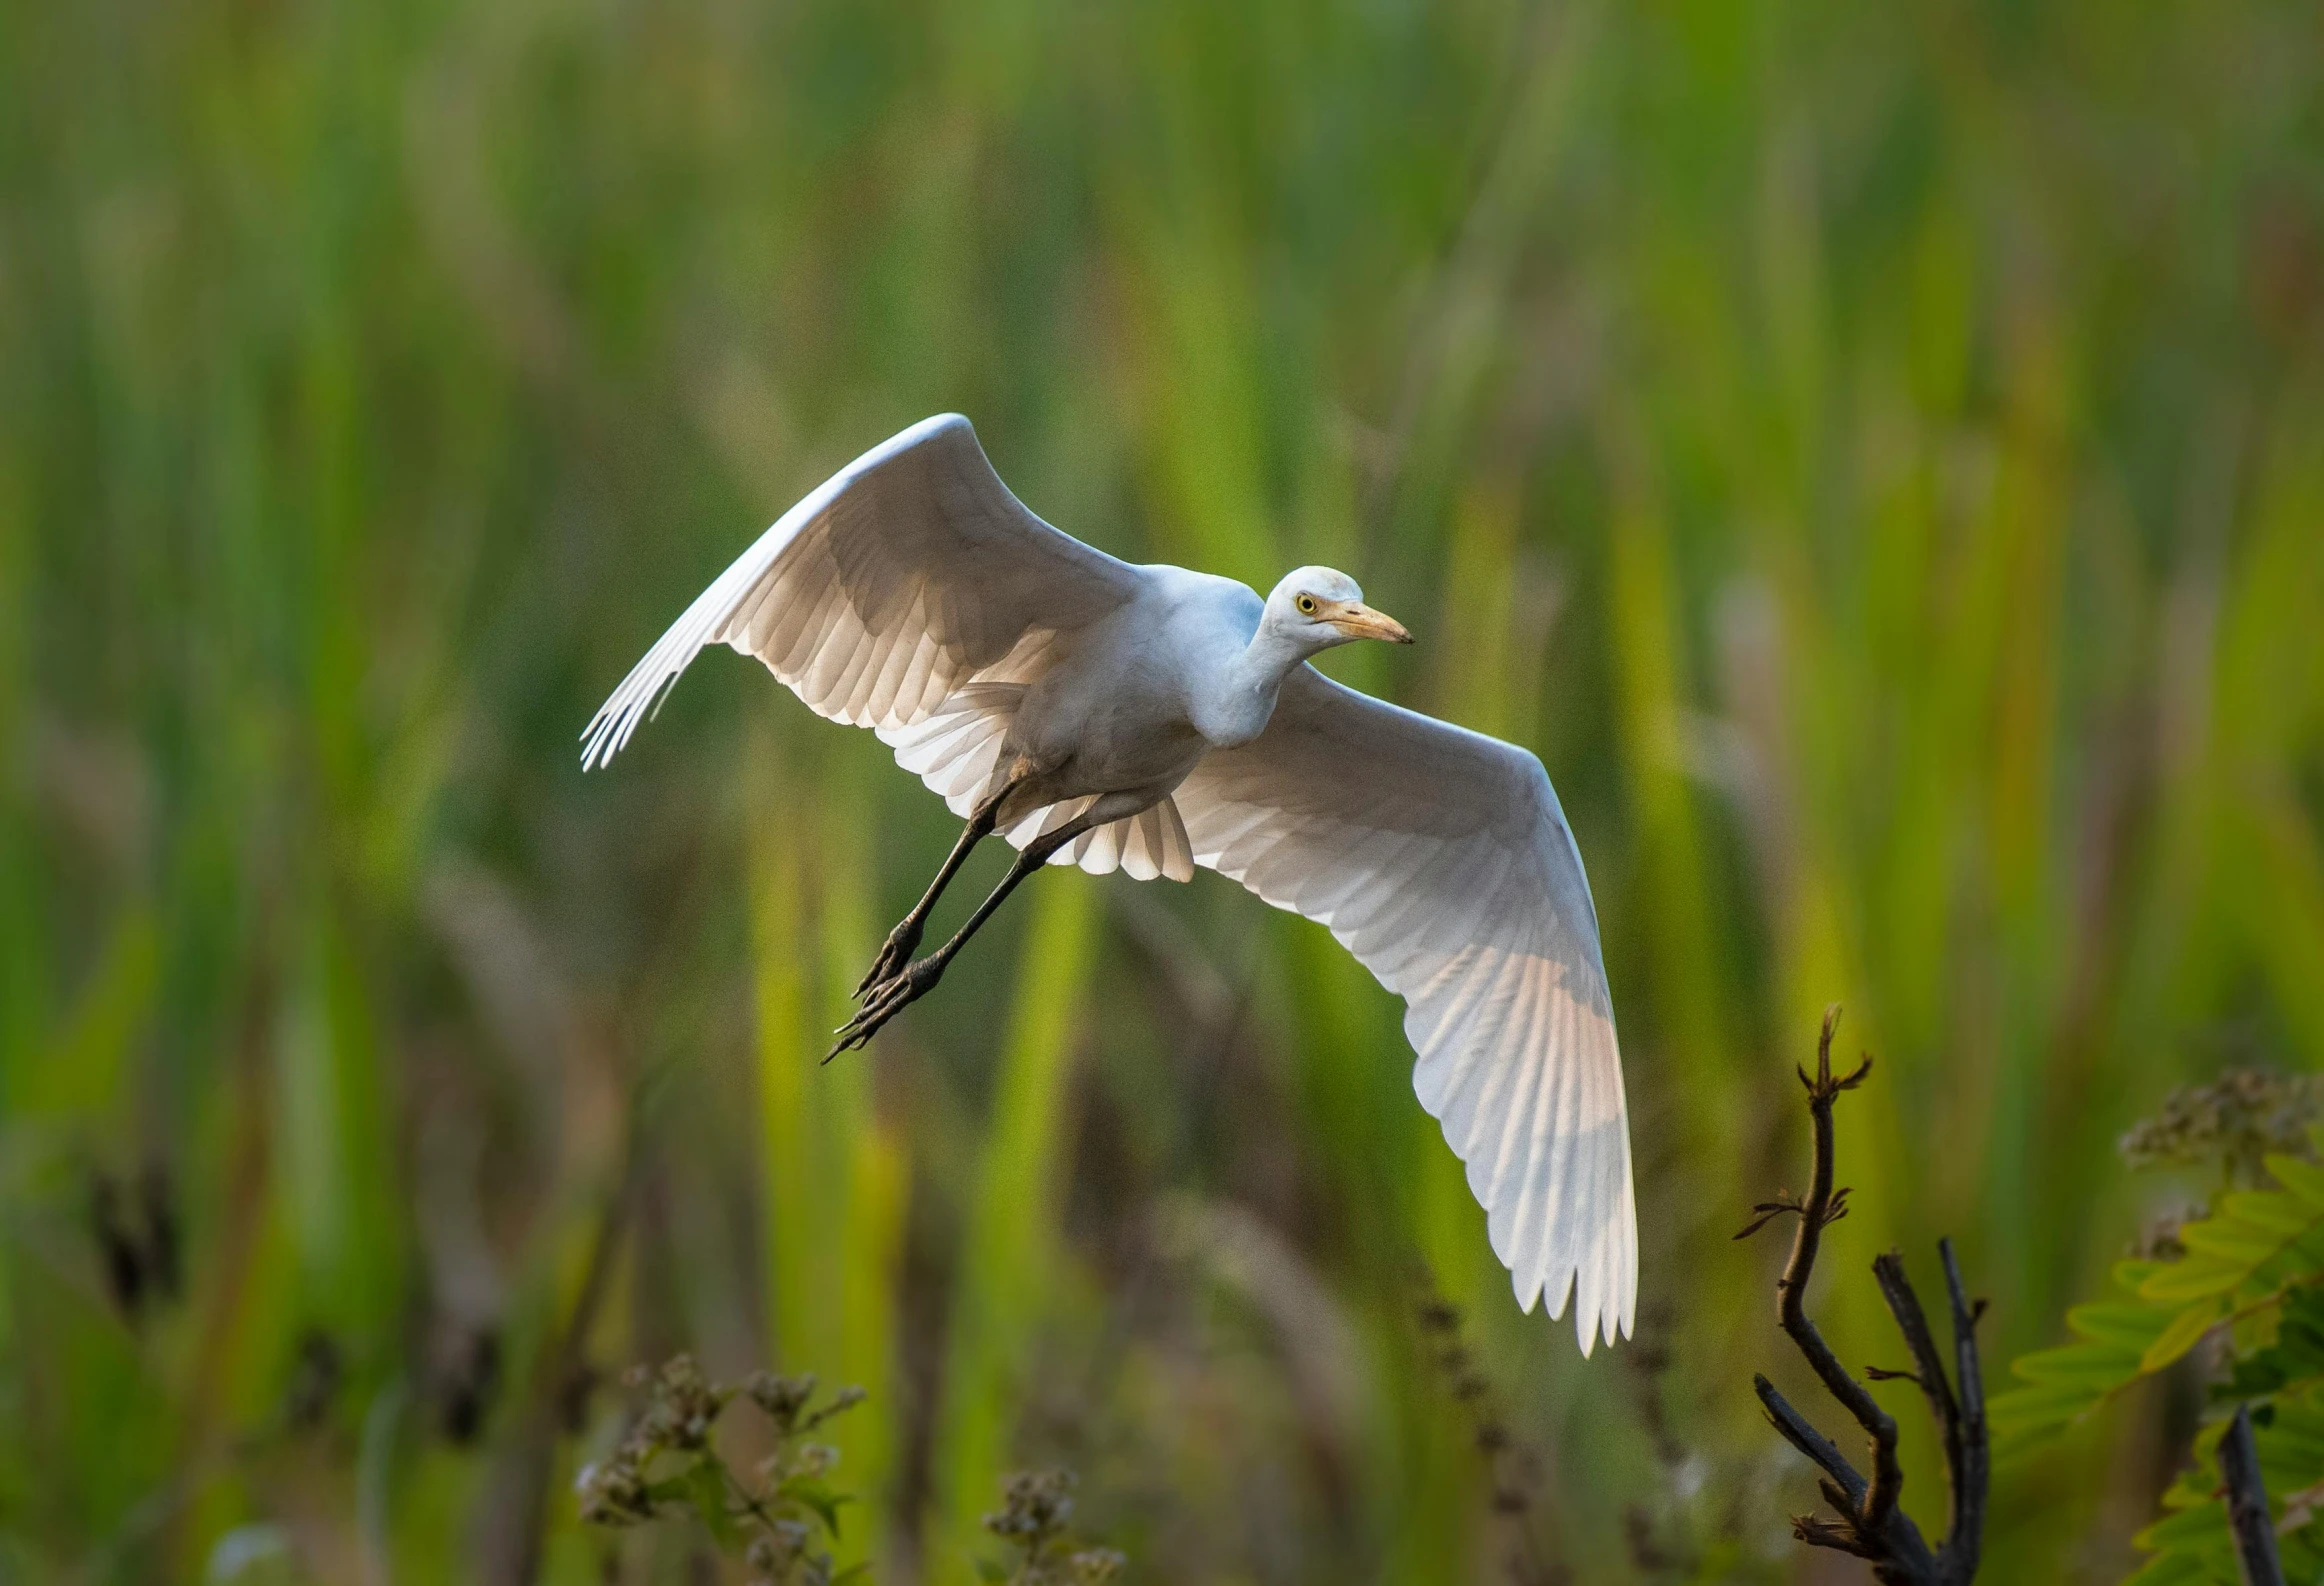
(1869, 1524)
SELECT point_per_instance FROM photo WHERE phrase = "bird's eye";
(1307, 605)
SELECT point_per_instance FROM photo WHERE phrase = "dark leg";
(916, 979)
(904, 940)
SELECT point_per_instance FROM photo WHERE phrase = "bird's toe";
(889, 997)
(882, 967)
(894, 954)
(856, 1032)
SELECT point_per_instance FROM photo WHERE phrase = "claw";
(887, 999)
(894, 954)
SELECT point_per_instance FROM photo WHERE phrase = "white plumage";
(1151, 719)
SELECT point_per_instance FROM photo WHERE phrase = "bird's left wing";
(909, 573)
(1441, 859)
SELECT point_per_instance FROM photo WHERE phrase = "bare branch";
(1818, 1211)
(1928, 1367)
(2247, 1504)
(1972, 1456)
(1802, 1435)
(1870, 1525)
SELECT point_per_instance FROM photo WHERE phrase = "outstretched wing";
(909, 573)
(1441, 859)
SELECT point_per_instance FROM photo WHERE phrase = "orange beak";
(1359, 621)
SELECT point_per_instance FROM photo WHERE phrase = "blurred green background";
(1873, 453)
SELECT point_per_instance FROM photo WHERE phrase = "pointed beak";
(1359, 621)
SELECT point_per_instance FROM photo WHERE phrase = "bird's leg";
(904, 940)
(916, 979)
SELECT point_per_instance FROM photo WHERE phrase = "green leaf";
(2231, 1239)
(821, 1500)
(2101, 1365)
(2292, 1448)
(2045, 1408)
(986, 1569)
(2285, 1216)
(2184, 1333)
(2012, 1445)
(2122, 1341)
(2197, 1277)
(706, 1486)
(2061, 1400)
(2288, 1366)
(2127, 1325)
(2304, 1179)
(2201, 1529)
(2182, 1569)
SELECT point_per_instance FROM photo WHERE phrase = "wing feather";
(1442, 860)
(914, 562)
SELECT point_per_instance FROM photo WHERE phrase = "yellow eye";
(1307, 605)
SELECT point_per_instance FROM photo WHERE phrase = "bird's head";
(1319, 607)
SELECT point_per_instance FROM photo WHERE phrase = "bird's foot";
(894, 954)
(887, 999)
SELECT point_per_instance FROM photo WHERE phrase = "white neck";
(1251, 683)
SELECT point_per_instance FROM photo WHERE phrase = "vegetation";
(1032, 1520)
(669, 1457)
(774, 1515)
(2232, 1301)
(1873, 454)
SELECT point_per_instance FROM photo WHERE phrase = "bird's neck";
(1251, 684)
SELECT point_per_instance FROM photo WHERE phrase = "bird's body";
(1153, 719)
(1137, 699)
(1133, 703)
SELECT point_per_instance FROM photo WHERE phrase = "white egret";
(1153, 719)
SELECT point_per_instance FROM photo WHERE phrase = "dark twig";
(1819, 1209)
(1798, 1431)
(1928, 1367)
(1870, 1525)
(2247, 1504)
(1968, 1453)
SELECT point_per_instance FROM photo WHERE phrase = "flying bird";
(1152, 719)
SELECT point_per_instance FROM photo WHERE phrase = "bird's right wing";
(909, 573)
(1441, 859)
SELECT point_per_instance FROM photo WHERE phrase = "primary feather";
(1440, 858)
(909, 573)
